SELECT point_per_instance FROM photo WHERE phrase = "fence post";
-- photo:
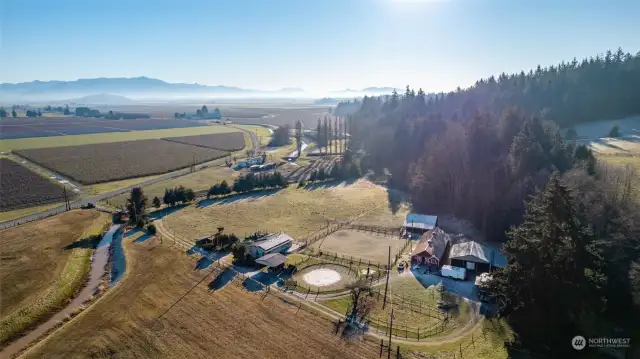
(381, 344)
(460, 350)
(418, 333)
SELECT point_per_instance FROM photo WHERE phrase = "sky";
(317, 45)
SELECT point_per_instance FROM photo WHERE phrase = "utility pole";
(384, 302)
(66, 200)
(390, 331)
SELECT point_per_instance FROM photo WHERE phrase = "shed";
(476, 257)
(432, 248)
(419, 223)
(272, 260)
(270, 243)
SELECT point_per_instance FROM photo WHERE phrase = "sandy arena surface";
(322, 277)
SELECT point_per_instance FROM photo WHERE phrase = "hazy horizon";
(320, 46)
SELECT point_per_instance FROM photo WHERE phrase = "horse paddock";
(364, 245)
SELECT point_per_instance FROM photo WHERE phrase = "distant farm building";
(432, 248)
(417, 224)
(476, 257)
(269, 243)
(251, 162)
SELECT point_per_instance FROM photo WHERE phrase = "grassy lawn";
(633, 161)
(41, 274)
(18, 213)
(225, 322)
(487, 341)
(414, 308)
(298, 212)
(98, 188)
(262, 132)
(407, 286)
(70, 140)
(199, 180)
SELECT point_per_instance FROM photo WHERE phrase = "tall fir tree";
(551, 287)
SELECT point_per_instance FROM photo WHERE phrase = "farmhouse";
(476, 257)
(432, 248)
(418, 224)
(270, 243)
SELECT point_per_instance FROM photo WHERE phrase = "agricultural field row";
(14, 129)
(21, 187)
(93, 138)
(233, 141)
(89, 164)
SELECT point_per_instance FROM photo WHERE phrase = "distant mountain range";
(137, 88)
(102, 99)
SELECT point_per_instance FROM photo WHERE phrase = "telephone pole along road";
(83, 201)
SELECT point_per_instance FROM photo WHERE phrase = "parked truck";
(453, 272)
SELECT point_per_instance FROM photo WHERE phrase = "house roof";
(476, 252)
(433, 242)
(272, 240)
(421, 221)
(271, 260)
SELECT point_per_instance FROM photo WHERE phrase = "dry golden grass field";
(33, 255)
(39, 272)
(227, 323)
(298, 212)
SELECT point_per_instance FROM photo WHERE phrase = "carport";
(274, 261)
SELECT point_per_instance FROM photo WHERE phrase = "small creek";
(99, 262)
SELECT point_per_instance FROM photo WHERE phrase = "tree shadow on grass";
(222, 279)
(330, 184)
(265, 278)
(203, 263)
(253, 285)
(254, 195)
(143, 238)
(161, 213)
(396, 199)
(133, 232)
(602, 142)
(89, 242)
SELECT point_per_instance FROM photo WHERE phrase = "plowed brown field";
(106, 162)
(20, 187)
(233, 141)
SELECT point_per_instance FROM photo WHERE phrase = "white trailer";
(453, 272)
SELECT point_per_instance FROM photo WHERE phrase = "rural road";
(83, 201)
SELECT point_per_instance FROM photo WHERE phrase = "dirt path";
(98, 264)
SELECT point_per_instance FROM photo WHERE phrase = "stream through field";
(113, 237)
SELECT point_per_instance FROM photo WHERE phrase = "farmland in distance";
(106, 162)
(20, 187)
(42, 127)
(221, 141)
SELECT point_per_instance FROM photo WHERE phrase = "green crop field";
(72, 140)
